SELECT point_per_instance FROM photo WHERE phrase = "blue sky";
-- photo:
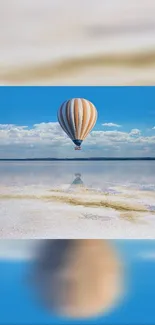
(131, 108)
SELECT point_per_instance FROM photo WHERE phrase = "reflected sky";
(92, 173)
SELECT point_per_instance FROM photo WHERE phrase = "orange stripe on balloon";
(84, 104)
(76, 117)
(92, 120)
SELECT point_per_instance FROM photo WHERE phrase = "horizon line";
(84, 158)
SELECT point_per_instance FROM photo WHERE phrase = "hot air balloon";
(77, 117)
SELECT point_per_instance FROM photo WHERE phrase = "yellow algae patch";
(105, 203)
(86, 201)
(134, 217)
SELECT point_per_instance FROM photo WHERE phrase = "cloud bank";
(49, 140)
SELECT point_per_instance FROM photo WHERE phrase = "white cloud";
(135, 132)
(49, 140)
(148, 255)
(17, 249)
(111, 125)
(153, 128)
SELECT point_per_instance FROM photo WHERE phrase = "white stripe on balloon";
(72, 122)
(80, 117)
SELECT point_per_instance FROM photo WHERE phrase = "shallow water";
(97, 174)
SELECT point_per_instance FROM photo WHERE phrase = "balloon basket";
(77, 148)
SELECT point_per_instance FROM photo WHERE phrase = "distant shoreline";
(83, 159)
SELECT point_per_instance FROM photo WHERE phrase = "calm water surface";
(93, 173)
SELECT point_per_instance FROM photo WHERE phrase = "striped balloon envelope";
(77, 117)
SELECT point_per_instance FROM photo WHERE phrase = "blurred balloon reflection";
(78, 278)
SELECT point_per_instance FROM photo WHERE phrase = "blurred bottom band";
(60, 281)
